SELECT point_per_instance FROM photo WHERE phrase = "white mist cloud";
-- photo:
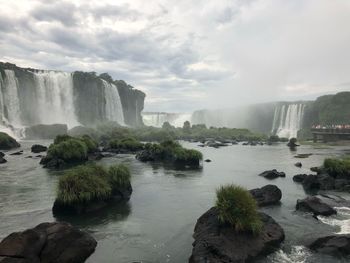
(188, 54)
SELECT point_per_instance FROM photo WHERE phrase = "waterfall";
(10, 101)
(289, 118)
(156, 119)
(114, 108)
(55, 98)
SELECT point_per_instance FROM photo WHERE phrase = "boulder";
(292, 143)
(7, 142)
(216, 242)
(299, 178)
(48, 242)
(37, 148)
(272, 174)
(336, 245)
(45, 131)
(314, 205)
(267, 195)
(298, 164)
(318, 182)
(2, 160)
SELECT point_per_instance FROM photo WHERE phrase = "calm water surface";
(158, 222)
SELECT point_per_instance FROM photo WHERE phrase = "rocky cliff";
(30, 96)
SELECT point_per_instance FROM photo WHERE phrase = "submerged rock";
(336, 245)
(314, 205)
(298, 164)
(47, 242)
(207, 160)
(17, 153)
(267, 195)
(272, 174)
(37, 148)
(216, 242)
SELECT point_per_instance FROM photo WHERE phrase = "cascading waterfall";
(156, 119)
(10, 100)
(114, 108)
(55, 98)
(287, 120)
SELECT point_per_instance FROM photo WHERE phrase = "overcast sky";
(188, 55)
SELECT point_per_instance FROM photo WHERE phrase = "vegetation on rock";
(337, 167)
(126, 144)
(7, 142)
(237, 207)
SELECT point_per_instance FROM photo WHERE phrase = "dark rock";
(95, 156)
(314, 205)
(341, 184)
(207, 160)
(37, 148)
(317, 170)
(298, 164)
(2, 154)
(299, 178)
(7, 142)
(48, 242)
(17, 153)
(216, 242)
(272, 174)
(2, 160)
(52, 163)
(303, 155)
(292, 143)
(318, 182)
(336, 245)
(267, 195)
(118, 195)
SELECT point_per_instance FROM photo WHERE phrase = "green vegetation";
(91, 182)
(237, 207)
(7, 142)
(170, 151)
(72, 149)
(129, 143)
(337, 167)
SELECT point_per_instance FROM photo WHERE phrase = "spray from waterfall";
(114, 108)
(287, 120)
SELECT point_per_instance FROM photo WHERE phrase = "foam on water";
(298, 254)
(341, 220)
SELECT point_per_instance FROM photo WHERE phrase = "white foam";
(342, 224)
(298, 254)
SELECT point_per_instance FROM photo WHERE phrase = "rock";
(292, 143)
(121, 194)
(37, 148)
(340, 184)
(272, 174)
(317, 170)
(216, 242)
(7, 142)
(303, 155)
(267, 195)
(298, 164)
(45, 131)
(314, 205)
(52, 163)
(48, 242)
(17, 153)
(336, 245)
(318, 182)
(2, 154)
(2, 160)
(299, 178)
(207, 160)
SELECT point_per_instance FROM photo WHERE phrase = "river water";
(157, 224)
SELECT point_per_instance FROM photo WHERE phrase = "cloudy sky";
(188, 55)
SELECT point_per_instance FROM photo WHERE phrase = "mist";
(187, 56)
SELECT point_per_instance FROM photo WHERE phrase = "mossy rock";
(7, 142)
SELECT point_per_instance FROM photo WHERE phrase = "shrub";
(237, 207)
(7, 142)
(119, 176)
(62, 138)
(91, 182)
(337, 167)
(68, 150)
(83, 184)
(90, 143)
(129, 143)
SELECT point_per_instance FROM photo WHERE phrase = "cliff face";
(30, 97)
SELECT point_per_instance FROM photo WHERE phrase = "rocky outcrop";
(299, 178)
(45, 131)
(47, 243)
(219, 243)
(336, 245)
(272, 174)
(2, 158)
(37, 148)
(267, 195)
(7, 142)
(315, 205)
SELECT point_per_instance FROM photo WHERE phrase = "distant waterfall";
(55, 98)
(287, 120)
(156, 119)
(114, 108)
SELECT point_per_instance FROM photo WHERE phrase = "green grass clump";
(90, 143)
(237, 207)
(91, 182)
(129, 143)
(119, 176)
(82, 185)
(62, 138)
(71, 149)
(337, 167)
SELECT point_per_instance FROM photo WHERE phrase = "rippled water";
(158, 222)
